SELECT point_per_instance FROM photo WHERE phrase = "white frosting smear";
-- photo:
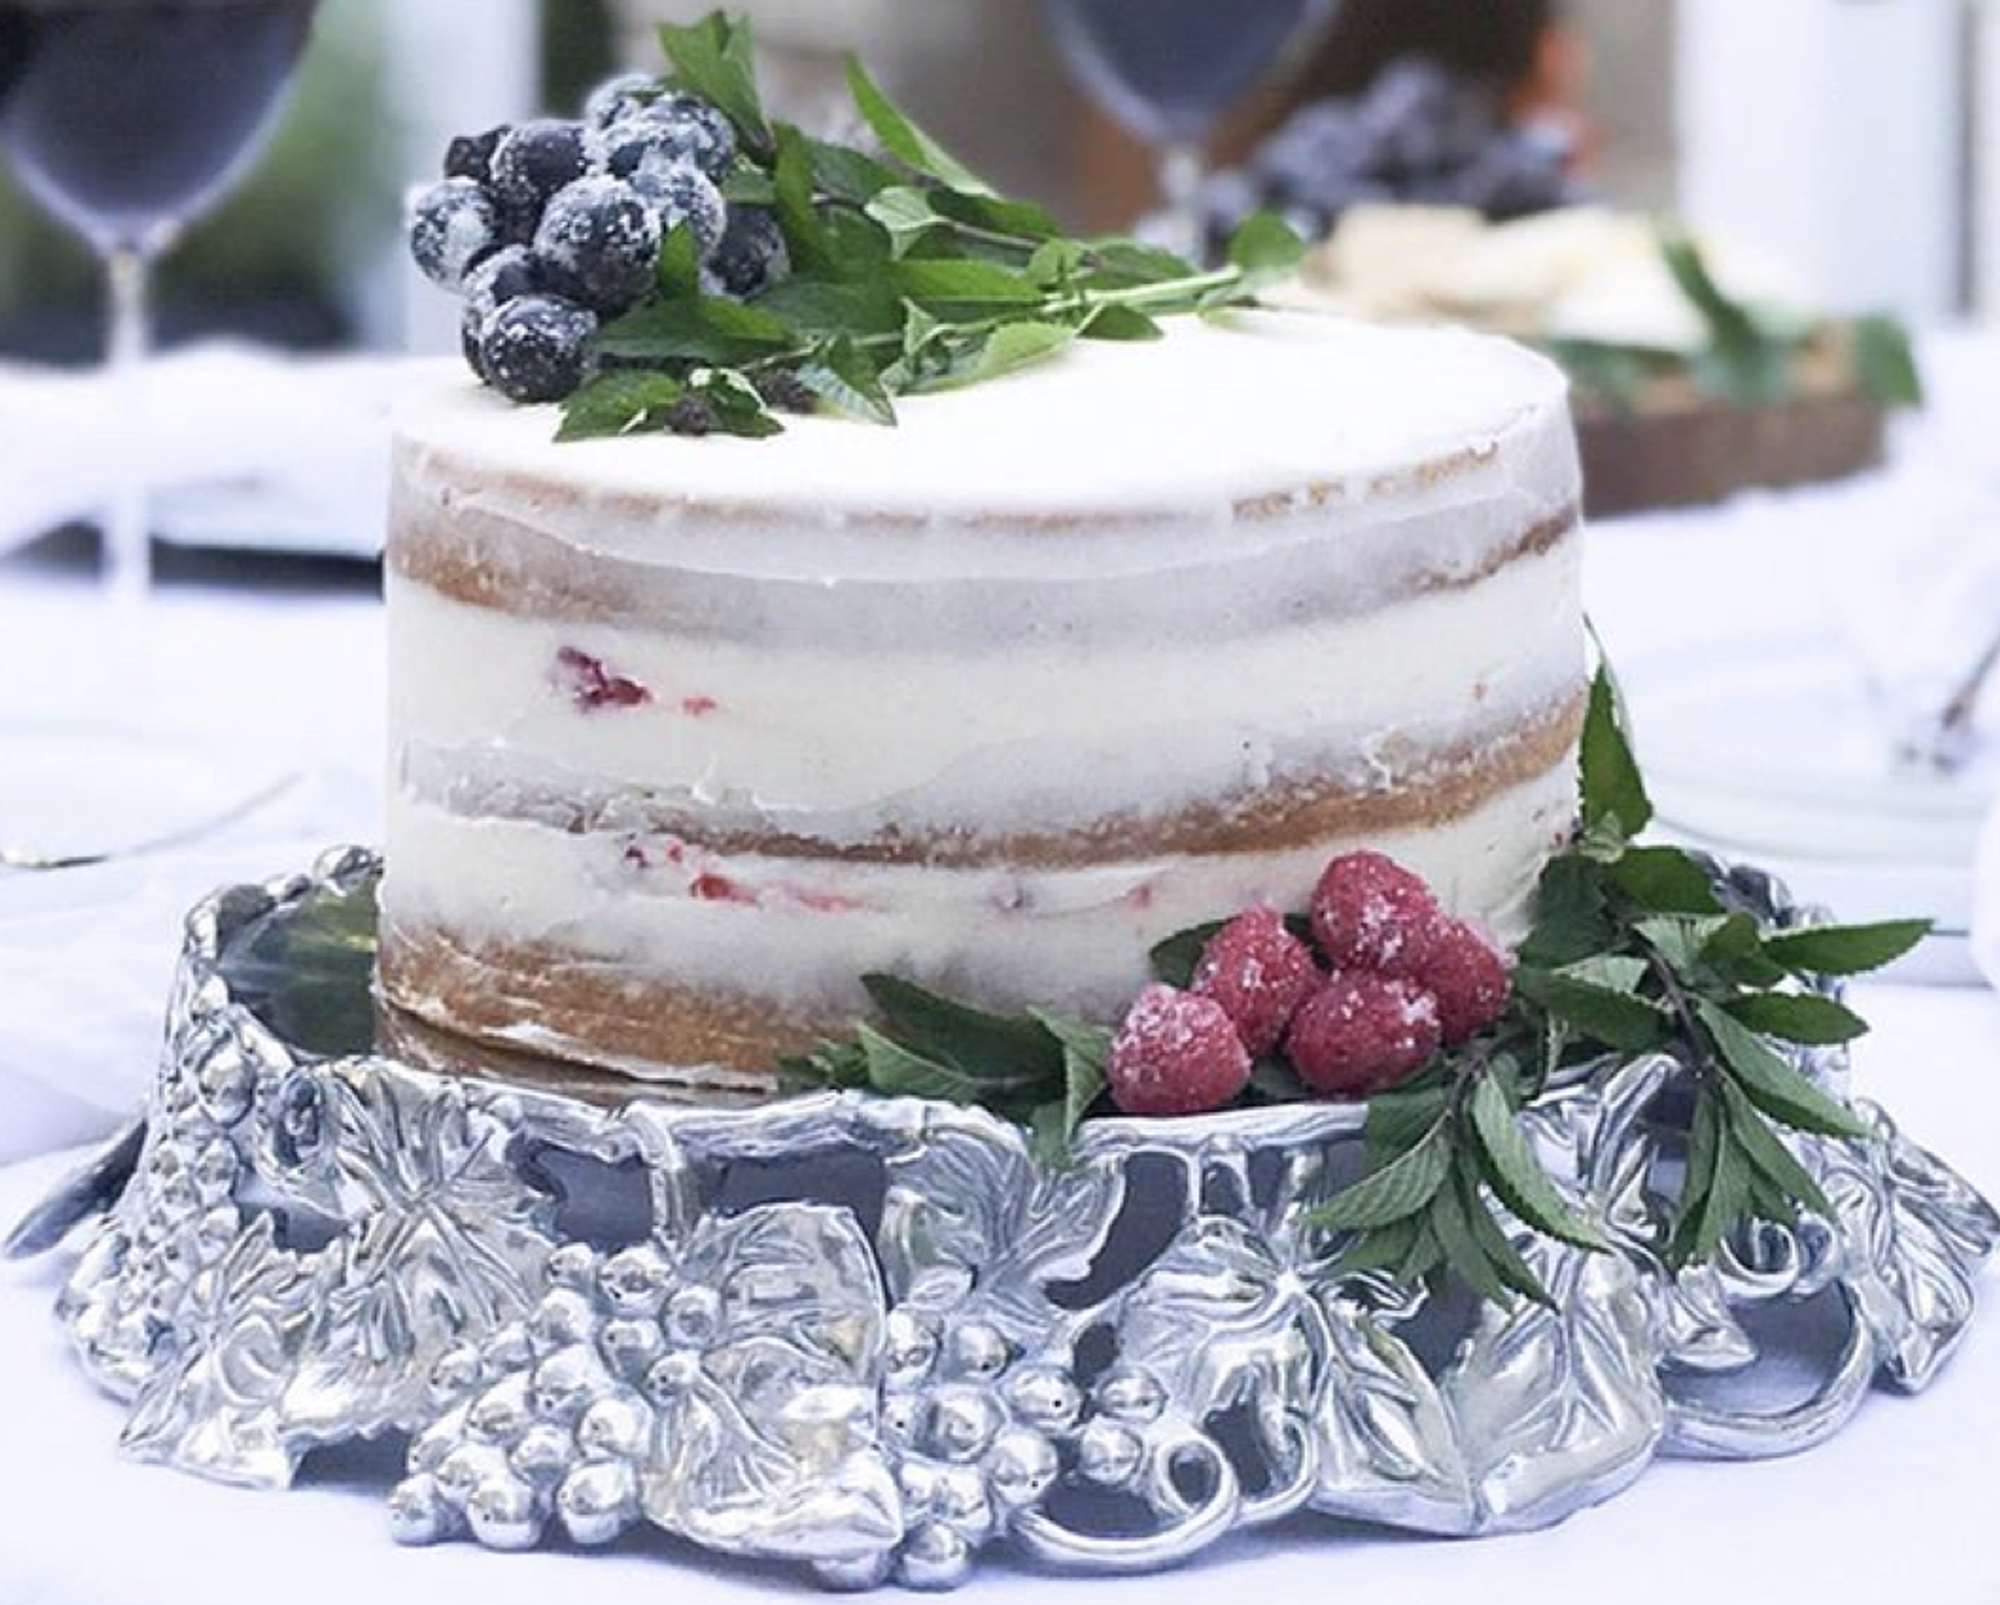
(1243, 407)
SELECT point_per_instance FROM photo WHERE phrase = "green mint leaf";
(823, 309)
(849, 175)
(1681, 940)
(1664, 880)
(1384, 1248)
(1121, 323)
(1479, 1249)
(1615, 972)
(1736, 954)
(907, 214)
(1614, 1019)
(1011, 1059)
(734, 404)
(615, 404)
(1275, 1081)
(832, 1066)
(1399, 1119)
(1705, 1139)
(842, 375)
(1845, 949)
(1127, 264)
(1403, 1187)
(1769, 1156)
(961, 291)
(1884, 363)
(1613, 789)
(1014, 346)
(1572, 915)
(1798, 1017)
(1770, 1083)
(704, 329)
(747, 184)
(679, 271)
(715, 58)
(897, 1072)
(807, 238)
(903, 139)
(998, 220)
(1511, 1169)
(1727, 1200)
(1267, 249)
(1086, 1050)
(1174, 960)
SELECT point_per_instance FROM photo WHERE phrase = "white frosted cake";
(691, 734)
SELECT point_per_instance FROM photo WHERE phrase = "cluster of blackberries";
(550, 226)
(1419, 135)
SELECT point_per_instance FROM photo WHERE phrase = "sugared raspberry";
(1176, 1054)
(1370, 913)
(1361, 1034)
(1468, 973)
(1260, 973)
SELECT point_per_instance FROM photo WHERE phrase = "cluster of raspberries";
(1403, 978)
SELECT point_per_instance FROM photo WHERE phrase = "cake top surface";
(1223, 412)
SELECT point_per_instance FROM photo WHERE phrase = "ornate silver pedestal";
(875, 1337)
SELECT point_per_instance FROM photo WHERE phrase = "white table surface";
(1899, 1507)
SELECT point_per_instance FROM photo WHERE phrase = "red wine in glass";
(126, 119)
(1169, 69)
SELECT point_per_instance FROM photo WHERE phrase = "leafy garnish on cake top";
(678, 261)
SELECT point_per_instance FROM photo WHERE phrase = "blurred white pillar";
(452, 67)
(1986, 169)
(1827, 132)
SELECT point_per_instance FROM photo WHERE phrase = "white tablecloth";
(1900, 1507)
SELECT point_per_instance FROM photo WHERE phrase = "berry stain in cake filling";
(699, 707)
(592, 687)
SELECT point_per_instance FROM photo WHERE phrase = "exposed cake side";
(690, 735)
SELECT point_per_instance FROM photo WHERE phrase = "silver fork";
(28, 860)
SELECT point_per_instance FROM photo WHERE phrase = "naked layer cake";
(690, 734)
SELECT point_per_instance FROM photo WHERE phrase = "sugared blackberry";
(618, 98)
(600, 243)
(537, 348)
(784, 390)
(454, 226)
(683, 194)
(690, 416)
(508, 274)
(535, 160)
(675, 128)
(752, 255)
(471, 155)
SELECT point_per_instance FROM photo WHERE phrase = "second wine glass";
(1169, 70)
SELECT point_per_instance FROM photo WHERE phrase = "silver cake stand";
(874, 1337)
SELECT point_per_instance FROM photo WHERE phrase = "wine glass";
(126, 120)
(1168, 70)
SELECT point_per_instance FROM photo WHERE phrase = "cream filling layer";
(802, 933)
(1049, 733)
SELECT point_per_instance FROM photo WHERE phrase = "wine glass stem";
(1182, 169)
(128, 550)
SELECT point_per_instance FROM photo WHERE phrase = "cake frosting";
(691, 734)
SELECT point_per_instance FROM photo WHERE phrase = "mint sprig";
(1632, 950)
(1038, 1069)
(911, 273)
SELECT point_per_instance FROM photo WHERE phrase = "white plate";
(1777, 753)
